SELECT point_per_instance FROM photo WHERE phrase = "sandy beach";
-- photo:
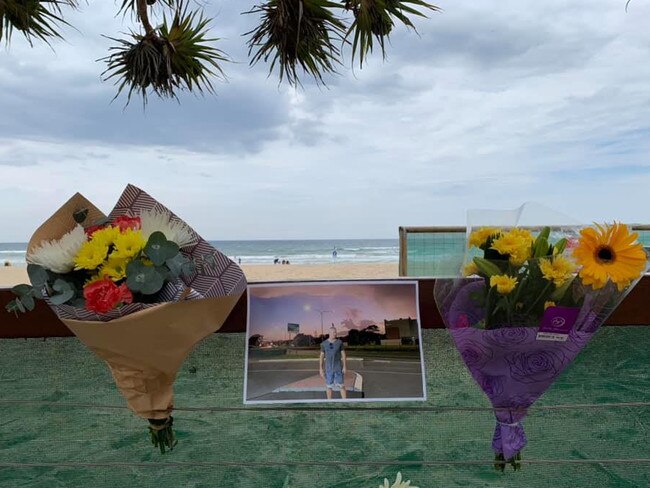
(10, 276)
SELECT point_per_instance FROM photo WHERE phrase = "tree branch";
(143, 15)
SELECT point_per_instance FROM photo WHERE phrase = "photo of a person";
(333, 364)
(370, 352)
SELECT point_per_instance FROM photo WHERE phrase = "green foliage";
(374, 19)
(144, 279)
(175, 57)
(179, 265)
(159, 249)
(487, 268)
(34, 18)
(295, 37)
(63, 291)
(297, 33)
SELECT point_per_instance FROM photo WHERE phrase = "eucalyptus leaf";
(188, 269)
(78, 302)
(28, 302)
(159, 249)
(37, 275)
(177, 264)
(143, 279)
(12, 306)
(65, 291)
(22, 290)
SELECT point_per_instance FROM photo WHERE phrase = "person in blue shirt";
(333, 364)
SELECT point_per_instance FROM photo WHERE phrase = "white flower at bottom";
(58, 255)
(398, 483)
(175, 230)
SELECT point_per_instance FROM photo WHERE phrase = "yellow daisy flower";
(480, 236)
(609, 252)
(558, 270)
(523, 234)
(509, 243)
(549, 303)
(128, 244)
(91, 255)
(115, 269)
(504, 283)
(106, 236)
(520, 256)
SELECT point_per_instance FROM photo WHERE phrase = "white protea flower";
(398, 483)
(58, 255)
(174, 230)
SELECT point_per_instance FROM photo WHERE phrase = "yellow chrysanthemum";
(504, 283)
(128, 244)
(523, 234)
(480, 236)
(549, 303)
(91, 255)
(558, 270)
(106, 236)
(470, 269)
(520, 256)
(516, 244)
(609, 252)
(115, 269)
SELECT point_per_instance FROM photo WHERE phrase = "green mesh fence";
(441, 254)
(63, 423)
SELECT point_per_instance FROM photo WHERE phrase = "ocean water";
(429, 254)
(265, 252)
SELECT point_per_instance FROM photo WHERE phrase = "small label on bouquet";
(557, 323)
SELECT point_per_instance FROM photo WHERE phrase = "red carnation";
(92, 229)
(103, 296)
(124, 222)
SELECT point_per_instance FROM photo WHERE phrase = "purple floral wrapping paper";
(510, 365)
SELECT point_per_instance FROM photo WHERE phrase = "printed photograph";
(333, 341)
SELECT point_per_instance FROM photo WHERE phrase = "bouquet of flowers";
(140, 288)
(527, 306)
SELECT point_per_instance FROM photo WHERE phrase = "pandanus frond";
(375, 19)
(174, 57)
(297, 35)
(40, 19)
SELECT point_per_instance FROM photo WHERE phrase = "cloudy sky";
(351, 306)
(495, 103)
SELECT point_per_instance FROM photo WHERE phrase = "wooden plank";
(42, 322)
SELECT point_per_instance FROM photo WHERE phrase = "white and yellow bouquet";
(139, 287)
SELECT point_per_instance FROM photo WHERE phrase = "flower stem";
(162, 434)
(538, 297)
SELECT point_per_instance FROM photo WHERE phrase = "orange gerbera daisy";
(609, 252)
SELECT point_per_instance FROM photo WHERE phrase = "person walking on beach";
(333, 364)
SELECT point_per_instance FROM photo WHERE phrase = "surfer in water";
(334, 252)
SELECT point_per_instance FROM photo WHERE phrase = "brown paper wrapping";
(145, 350)
(63, 221)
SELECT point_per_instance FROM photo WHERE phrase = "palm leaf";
(375, 19)
(173, 58)
(34, 18)
(297, 34)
